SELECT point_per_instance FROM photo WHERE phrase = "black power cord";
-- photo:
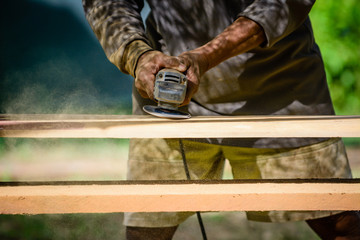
(202, 228)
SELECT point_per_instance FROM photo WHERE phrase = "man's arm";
(241, 36)
(119, 28)
(278, 18)
(262, 23)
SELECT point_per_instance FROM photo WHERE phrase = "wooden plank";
(97, 126)
(233, 196)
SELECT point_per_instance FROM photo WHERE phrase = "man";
(241, 58)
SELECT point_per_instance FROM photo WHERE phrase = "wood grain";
(247, 196)
(98, 126)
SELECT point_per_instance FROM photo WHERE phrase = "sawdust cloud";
(59, 86)
(52, 87)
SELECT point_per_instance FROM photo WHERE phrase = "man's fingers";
(142, 93)
(140, 88)
(145, 84)
(193, 86)
(191, 90)
(174, 63)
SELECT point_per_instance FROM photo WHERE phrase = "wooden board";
(228, 196)
(98, 126)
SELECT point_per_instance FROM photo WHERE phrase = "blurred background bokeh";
(51, 62)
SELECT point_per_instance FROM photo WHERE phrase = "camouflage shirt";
(284, 76)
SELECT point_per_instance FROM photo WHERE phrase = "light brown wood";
(47, 199)
(180, 197)
(97, 126)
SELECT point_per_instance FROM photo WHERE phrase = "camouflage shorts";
(160, 159)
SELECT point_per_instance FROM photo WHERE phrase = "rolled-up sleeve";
(118, 24)
(278, 18)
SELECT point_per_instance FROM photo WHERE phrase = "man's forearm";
(127, 59)
(241, 36)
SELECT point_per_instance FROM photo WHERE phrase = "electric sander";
(169, 92)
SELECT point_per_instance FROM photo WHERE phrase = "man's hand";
(149, 64)
(196, 65)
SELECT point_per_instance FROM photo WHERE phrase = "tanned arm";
(240, 37)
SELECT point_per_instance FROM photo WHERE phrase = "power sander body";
(169, 91)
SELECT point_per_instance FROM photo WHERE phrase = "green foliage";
(337, 32)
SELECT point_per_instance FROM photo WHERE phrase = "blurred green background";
(337, 32)
(50, 62)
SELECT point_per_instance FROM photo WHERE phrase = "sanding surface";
(45, 199)
(112, 126)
